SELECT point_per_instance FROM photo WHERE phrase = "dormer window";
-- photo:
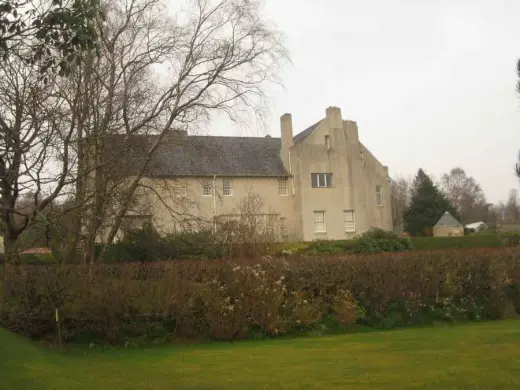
(327, 141)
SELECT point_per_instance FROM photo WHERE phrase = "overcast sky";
(431, 83)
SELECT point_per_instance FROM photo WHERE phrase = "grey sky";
(431, 83)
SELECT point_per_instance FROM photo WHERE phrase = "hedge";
(470, 241)
(230, 300)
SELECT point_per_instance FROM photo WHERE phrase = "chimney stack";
(334, 118)
(287, 140)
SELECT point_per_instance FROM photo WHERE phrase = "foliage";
(52, 34)
(372, 241)
(426, 207)
(231, 300)
(146, 245)
(471, 241)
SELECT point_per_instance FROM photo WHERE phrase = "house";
(476, 226)
(448, 226)
(321, 183)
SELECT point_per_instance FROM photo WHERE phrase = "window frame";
(346, 222)
(326, 177)
(380, 202)
(181, 188)
(207, 184)
(285, 185)
(229, 187)
(317, 223)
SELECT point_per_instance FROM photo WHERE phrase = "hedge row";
(225, 300)
(470, 241)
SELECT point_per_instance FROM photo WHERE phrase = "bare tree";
(35, 145)
(156, 74)
(400, 196)
(466, 195)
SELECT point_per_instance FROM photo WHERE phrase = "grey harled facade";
(321, 183)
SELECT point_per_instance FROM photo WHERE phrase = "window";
(283, 227)
(319, 222)
(327, 141)
(350, 221)
(379, 195)
(321, 180)
(282, 186)
(180, 187)
(207, 187)
(227, 187)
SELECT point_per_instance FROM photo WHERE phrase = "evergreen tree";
(427, 205)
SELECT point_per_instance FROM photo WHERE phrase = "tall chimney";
(334, 118)
(287, 140)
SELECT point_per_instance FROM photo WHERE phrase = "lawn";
(483, 356)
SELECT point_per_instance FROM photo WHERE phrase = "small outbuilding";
(476, 227)
(448, 226)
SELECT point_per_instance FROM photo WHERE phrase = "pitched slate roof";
(208, 156)
(447, 220)
(300, 137)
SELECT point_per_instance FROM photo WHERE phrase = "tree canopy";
(427, 205)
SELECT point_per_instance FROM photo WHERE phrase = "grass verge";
(484, 355)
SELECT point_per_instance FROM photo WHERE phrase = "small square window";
(227, 187)
(282, 186)
(350, 221)
(207, 187)
(379, 195)
(319, 222)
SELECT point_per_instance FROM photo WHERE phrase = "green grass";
(480, 356)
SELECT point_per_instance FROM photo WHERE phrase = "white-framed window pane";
(319, 221)
(227, 187)
(321, 180)
(283, 226)
(207, 187)
(379, 195)
(180, 187)
(350, 221)
(282, 186)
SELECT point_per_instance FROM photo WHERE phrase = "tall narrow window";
(282, 186)
(321, 180)
(379, 195)
(283, 227)
(319, 222)
(180, 187)
(327, 141)
(350, 221)
(227, 187)
(207, 187)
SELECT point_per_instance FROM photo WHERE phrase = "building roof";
(300, 137)
(447, 220)
(475, 225)
(205, 156)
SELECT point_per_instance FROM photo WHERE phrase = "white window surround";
(379, 196)
(283, 189)
(349, 221)
(322, 180)
(207, 187)
(227, 187)
(320, 222)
